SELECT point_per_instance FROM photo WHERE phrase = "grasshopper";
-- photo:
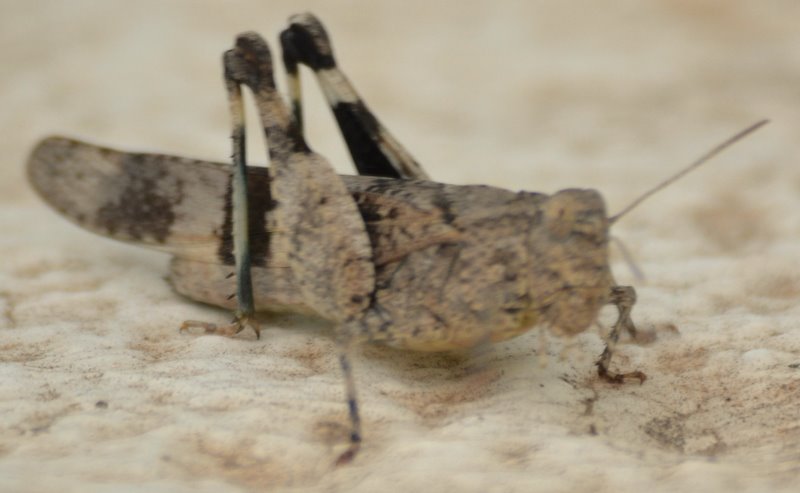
(387, 256)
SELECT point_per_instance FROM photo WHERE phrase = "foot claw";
(230, 330)
(619, 378)
(348, 455)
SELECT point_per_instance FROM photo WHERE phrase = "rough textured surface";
(98, 391)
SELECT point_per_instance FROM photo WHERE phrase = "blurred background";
(469, 86)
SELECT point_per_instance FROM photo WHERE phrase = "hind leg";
(244, 315)
(317, 231)
(374, 150)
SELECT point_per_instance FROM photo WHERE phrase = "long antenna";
(700, 161)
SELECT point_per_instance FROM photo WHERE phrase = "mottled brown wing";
(182, 206)
(173, 204)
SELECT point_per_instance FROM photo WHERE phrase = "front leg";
(623, 297)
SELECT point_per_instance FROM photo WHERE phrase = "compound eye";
(571, 212)
(559, 221)
(559, 214)
(591, 224)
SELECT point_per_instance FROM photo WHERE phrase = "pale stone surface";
(99, 391)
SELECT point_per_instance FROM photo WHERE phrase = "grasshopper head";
(571, 280)
(571, 276)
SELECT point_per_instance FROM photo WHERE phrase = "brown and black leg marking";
(316, 228)
(623, 297)
(374, 150)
